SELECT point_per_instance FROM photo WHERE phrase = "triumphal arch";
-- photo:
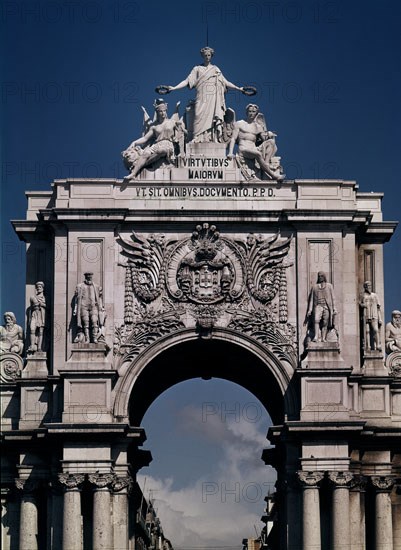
(205, 261)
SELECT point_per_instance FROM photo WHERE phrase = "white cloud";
(220, 507)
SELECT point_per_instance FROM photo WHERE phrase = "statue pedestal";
(373, 363)
(323, 355)
(89, 357)
(36, 366)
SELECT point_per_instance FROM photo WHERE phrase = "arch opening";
(207, 359)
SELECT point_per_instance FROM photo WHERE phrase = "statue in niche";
(209, 107)
(37, 318)
(160, 137)
(255, 145)
(393, 332)
(321, 313)
(11, 335)
(371, 317)
(89, 311)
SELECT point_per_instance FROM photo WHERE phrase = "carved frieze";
(205, 280)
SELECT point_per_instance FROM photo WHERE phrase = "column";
(28, 525)
(292, 492)
(383, 515)
(340, 527)
(397, 518)
(311, 510)
(121, 487)
(72, 519)
(102, 524)
(357, 512)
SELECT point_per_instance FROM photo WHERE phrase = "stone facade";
(201, 276)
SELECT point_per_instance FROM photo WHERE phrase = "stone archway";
(228, 355)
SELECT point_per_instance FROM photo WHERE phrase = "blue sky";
(76, 74)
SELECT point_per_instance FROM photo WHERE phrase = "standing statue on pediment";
(321, 309)
(393, 332)
(37, 318)
(11, 335)
(371, 317)
(159, 140)
(89, 311)
(209, 106)
(256, 146)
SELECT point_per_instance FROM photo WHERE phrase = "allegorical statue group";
(207, 119)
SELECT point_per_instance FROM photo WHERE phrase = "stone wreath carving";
(205, 280)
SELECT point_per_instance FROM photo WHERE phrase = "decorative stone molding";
(121, 483)
(10, 367)
(71, 481)
(383, 483)
(309, 479)
(341, 479)
(393, 363)
(101, 481)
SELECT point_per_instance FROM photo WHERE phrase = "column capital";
(341, 479)
(358, 483)
(383, 484)
(120, 483)
(71, 482)
(28, 486)
(309, 479)
(101, 481)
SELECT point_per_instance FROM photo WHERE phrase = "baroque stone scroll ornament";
(146, 265)
(265, 268)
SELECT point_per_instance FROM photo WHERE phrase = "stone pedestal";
(36, 366)
(373, 363)
(323, 355)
